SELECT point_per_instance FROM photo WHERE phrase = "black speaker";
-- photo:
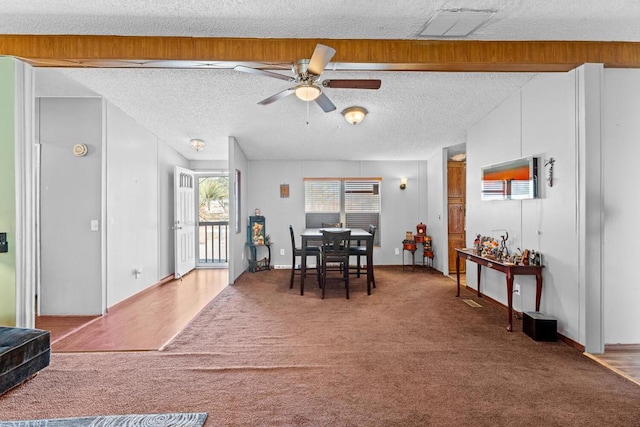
(539, 327)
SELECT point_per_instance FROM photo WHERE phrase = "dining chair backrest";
(332, 225)
(335, 244)
(372, 231)
(293, 238)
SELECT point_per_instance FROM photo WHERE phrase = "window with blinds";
(354, 202)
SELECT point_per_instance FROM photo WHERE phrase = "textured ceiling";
(413, 113)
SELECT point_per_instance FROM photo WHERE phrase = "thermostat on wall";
(80, 150)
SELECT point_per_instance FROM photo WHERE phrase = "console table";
(509, 269)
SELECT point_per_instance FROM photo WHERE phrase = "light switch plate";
(4, 245)
(95, 225)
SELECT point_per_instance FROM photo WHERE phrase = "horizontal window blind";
(321, 196)
(362, 205)
(355, 202)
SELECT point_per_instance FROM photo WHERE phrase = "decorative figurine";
(503, 252)
(258, 234)
(477, 244)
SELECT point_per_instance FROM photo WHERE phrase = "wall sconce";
(354, 115)
(403, 183)
(197, 144)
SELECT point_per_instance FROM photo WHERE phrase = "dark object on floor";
(539, 327)
(23, 352)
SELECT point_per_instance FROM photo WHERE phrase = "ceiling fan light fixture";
(354, 115)
(197, 144)
(308, 92)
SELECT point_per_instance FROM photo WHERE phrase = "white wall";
(138, 211)
(540, 120)
(437, 205)
(620, 131)
(436, 213)
(237, 259)
(402, 210)
(132, 206)
(71, 253)
(208, 165)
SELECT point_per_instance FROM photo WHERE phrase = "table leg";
(303, 265)
(458, 272)
(358, 262)
(413, 260)
(510, 301)
(538, 289)
(478, 289)
(370, 262)
(369, 271)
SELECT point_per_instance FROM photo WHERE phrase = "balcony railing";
(213, 242)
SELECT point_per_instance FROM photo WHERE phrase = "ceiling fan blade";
(262, 72)
(325, 103)
(320, 58)
(277, 96)
(352, 84)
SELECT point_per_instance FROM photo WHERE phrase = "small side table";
(409, 246)
(428, 254)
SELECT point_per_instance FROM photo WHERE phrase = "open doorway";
(213, 220)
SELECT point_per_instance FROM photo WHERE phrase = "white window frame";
(334, 212)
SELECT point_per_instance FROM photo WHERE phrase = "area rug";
(194, 419)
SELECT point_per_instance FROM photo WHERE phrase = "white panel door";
(184, 221)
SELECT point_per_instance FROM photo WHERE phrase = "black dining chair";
(335, 250)
(297, 252)
(361, 251)
(333, 225)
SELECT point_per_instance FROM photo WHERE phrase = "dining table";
(310, 235)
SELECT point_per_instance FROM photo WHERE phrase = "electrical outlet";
(516, 289)
(281, 251)
(397, 251)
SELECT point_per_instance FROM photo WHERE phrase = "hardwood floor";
(61, 326)
(146, 321)
(625, 360)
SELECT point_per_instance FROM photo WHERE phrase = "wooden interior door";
(456, 190)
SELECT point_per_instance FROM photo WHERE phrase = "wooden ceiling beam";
(396, 55)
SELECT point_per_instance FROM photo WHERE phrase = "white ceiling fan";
(306, 74)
